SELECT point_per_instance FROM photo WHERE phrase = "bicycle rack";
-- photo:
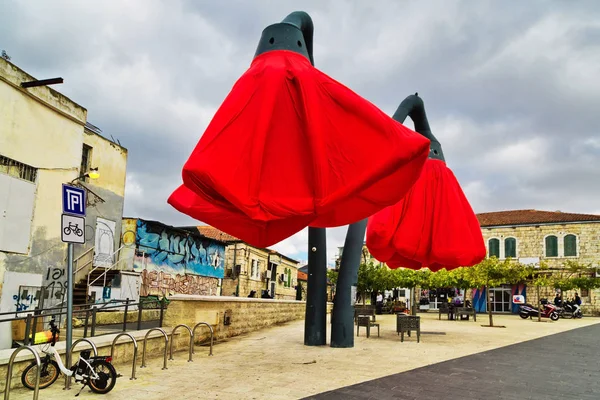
(38, 361)
(144, 347)
(191, 341)
(70, 358)
(135, 348)
(211, 336)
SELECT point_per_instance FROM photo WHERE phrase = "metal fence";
(88, 314)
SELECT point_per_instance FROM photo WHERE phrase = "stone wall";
(247, 315)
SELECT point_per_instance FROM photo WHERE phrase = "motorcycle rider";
(557, 300)
(577, 302)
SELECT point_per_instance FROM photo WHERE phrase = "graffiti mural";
(162, 283)
(176, 252)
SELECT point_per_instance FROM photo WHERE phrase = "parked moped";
(529, 311)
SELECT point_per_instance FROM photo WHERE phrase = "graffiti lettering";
(162, 283)
(172, 250)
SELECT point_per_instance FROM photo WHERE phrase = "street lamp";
(92, 174)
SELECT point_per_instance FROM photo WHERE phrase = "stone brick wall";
(251, 278)
(247, 314)
(531, 243)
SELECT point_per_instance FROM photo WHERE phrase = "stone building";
(249, 268)
(45, 142)
(531, 236)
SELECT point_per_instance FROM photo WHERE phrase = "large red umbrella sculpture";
(434, 225)
(291, 147)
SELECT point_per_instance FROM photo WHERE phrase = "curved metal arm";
(212, 332)
(38, 362)
(191, 341)
(144, 347)
(294, 33)
(94, 349)
(135, 348)
(414, 107)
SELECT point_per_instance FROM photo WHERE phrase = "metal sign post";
(72, 231)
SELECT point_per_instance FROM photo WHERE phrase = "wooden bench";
(365, 320)
(460, 311)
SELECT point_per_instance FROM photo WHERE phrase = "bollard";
(70, 358)
(191, 341)
(38, 362)
(144, 347)
(135, 348)
(211, 336)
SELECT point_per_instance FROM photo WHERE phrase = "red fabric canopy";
(291, 147)
(434, 226)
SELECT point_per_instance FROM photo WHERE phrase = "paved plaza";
(274, 364)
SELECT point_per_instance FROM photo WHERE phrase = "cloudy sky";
(512, 89)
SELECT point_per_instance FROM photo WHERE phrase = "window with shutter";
(551, 246)
(494, 247)
(570, 242)
(510, 247)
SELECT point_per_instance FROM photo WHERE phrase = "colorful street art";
(174, 252)
(164, 284)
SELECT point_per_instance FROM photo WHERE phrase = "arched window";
(510, 247)
(551, 246)
(570, 242)
(494, 247)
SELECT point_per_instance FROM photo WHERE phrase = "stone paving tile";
(561, 366)
(274, 363)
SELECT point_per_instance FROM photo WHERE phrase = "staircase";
(81, 288)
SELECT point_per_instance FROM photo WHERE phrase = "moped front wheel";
(48, 375)
(554, 316)
(524, 315)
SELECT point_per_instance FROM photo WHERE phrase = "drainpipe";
(237, 288)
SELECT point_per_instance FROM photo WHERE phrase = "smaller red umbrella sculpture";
(290, 147)
(434, 225)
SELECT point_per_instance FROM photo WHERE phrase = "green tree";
(492, 272)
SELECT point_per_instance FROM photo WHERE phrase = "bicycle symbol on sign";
(73, 228)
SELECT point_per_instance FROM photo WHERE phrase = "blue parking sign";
(73, 200)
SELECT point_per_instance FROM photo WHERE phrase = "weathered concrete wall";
(45, 130)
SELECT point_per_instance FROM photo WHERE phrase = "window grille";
(17, 169)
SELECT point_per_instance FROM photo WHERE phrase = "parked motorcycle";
(529, 311)
(570, 309)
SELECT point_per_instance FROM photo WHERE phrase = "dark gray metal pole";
(342, 319)
(69, 338)
(315, 323)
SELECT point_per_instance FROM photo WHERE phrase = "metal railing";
(173, 340)
(144, 347)
(91, 311)
(103, 274)
(70, 358)
(38, 362)
(211, 336)
(135, 348)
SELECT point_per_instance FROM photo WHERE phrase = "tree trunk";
(489, 305)
(539, 305)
